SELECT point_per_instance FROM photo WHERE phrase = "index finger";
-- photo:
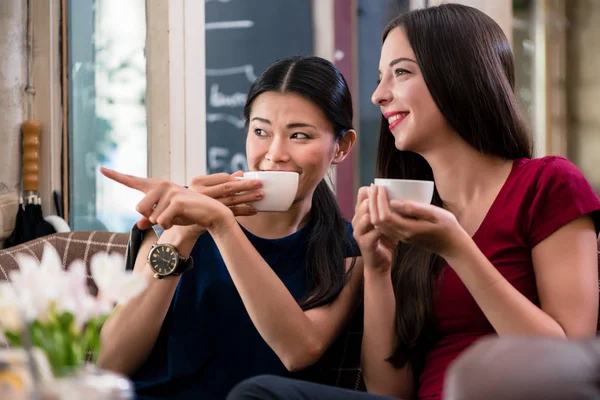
(233, 187)
(130, 181)
(211, 179)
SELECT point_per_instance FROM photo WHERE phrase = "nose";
(278, 151)
(382, 95)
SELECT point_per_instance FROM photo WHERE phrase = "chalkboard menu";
(242, 38)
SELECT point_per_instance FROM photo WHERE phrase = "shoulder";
(554, 175)
(550, 168)
(558, 193)
(348, 226)
(349, 230)
(351, 247)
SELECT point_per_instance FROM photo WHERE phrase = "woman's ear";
(344, 146)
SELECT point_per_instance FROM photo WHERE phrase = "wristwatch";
(165, 261)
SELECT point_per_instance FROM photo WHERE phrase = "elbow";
(303, 356)
(382, 389)
(395, 384)
(110, 359)
(112, 362)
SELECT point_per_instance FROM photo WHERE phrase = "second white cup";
(406, 189)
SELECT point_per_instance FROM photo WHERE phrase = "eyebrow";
(397, 60)
(292, 125)
(400, 59)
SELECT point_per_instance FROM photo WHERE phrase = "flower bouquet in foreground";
(56, 308)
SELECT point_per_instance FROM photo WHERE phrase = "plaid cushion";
(79, 245)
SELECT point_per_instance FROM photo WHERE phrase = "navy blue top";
(208, 343)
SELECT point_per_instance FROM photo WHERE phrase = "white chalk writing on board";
(232, 119)
(247, 70)
(245, 23)
(219, 99)
(217, 160)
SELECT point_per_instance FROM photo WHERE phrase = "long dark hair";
(468, 67)
(319, 81)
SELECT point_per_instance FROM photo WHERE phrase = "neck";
(274, 225)
(463, 175)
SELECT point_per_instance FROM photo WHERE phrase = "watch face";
(163, 260)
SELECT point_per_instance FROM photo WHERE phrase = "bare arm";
(379, 332)
(566, 271)
(298, 337)
(129, 335)
(379, 338)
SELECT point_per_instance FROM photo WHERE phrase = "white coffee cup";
(406, 189)
(279, 189)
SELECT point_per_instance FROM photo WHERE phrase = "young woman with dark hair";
(508, 246)
(270, 291)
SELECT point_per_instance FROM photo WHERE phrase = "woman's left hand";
(423, 225)
(170, 204)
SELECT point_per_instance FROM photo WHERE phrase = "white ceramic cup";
(279, 187)
(406, 189)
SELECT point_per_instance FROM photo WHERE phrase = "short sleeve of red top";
(539, 197)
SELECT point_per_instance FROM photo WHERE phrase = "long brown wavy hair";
(468, 67)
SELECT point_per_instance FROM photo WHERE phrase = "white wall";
(12, 79)
(499, 10)
(176, 116)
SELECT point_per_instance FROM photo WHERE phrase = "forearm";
(507, 309)
(131, 332)
(379, 338)
(275, 313)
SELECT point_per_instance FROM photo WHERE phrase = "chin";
(404, 143)
(401, 145)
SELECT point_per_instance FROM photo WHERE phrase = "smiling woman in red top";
(508, 246)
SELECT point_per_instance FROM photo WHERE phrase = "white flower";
(115, 285)
(38, 285)
(76, 298)
(11, 317)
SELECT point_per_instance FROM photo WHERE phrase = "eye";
(300, 135)
(400, 72)
(260, 132)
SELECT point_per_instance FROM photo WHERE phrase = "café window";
(106, 89)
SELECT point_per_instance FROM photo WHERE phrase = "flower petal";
(131, 285)
(107, 270)
(51, 261)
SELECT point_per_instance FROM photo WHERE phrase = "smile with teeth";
(395, 119)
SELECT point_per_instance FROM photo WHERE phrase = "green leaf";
(66, 319)
(14, 339)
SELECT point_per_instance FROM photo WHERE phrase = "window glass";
(106, 77)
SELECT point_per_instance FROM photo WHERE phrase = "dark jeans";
(267, 387)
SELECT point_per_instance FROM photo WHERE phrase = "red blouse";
(539, 196)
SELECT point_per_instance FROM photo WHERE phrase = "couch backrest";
(71, 246)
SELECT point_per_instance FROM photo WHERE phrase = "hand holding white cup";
(279, 189)
(406, 189)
